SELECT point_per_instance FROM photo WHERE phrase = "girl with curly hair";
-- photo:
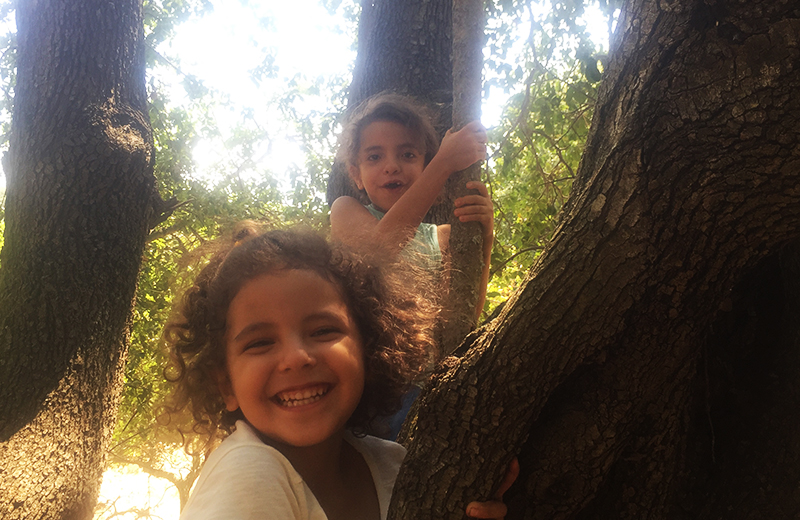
(289, 348)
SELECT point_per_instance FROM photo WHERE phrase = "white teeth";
(301, 397)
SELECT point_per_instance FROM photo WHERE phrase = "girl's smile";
(304, 396)
(294, 359)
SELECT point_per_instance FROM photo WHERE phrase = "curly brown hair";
(396, 324)
(388, 107)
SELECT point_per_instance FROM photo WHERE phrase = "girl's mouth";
(302, 397)
(393, 185)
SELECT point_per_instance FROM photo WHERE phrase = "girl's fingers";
(477, 185)
(495, 509)
(475, 126)
(472, 200)
(484, 218)
(491, 509)
(473, 212)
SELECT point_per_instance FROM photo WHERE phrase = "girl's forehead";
(289, 284)
(388, 133)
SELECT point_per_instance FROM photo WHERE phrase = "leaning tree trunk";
(597, 373)
(79, 195)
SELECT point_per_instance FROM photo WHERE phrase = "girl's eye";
(373, 157)
(259, 345)
(326, 333)
(410, 155)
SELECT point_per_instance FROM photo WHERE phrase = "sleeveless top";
(424, 247)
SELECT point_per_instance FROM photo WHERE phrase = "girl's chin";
(294, 442)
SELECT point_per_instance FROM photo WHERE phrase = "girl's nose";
(297, 355)
(391, 165)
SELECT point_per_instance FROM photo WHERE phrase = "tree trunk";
(466, 240)
(79, 196)
(601, 372)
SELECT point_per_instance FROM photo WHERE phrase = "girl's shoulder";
(243, 476)
(349, 219)
(377, 447)
(346, 203)
(346, 207)
(384, 459)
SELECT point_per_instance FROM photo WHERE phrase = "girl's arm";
(352, 224)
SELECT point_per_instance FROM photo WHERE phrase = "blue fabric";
(425, 243)
(396, 421)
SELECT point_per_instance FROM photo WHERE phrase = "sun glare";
(127, 493)
(283, 41)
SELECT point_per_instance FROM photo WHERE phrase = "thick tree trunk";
(599, 371)
(80, 192)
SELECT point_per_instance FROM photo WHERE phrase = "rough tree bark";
(606, 372)
(79, 196)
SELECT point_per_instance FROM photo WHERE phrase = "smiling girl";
(291, 349)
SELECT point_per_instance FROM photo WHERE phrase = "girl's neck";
(317, 464)
(337, 475)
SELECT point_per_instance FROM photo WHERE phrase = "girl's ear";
(355, 174)
(226, 390)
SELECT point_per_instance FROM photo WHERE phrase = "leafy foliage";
(552, 75)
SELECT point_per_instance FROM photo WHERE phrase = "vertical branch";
(465, 238)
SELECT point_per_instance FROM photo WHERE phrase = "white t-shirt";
(245, 479)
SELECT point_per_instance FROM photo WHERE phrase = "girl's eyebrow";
(379, 147)
(322, 315)
(253, 327)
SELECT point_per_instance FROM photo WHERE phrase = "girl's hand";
(476, 208)
(462, 149)
(495, 509)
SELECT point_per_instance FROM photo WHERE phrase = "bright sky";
(224, 46)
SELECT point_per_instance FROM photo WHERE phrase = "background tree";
(80, 199)
(466, 240)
